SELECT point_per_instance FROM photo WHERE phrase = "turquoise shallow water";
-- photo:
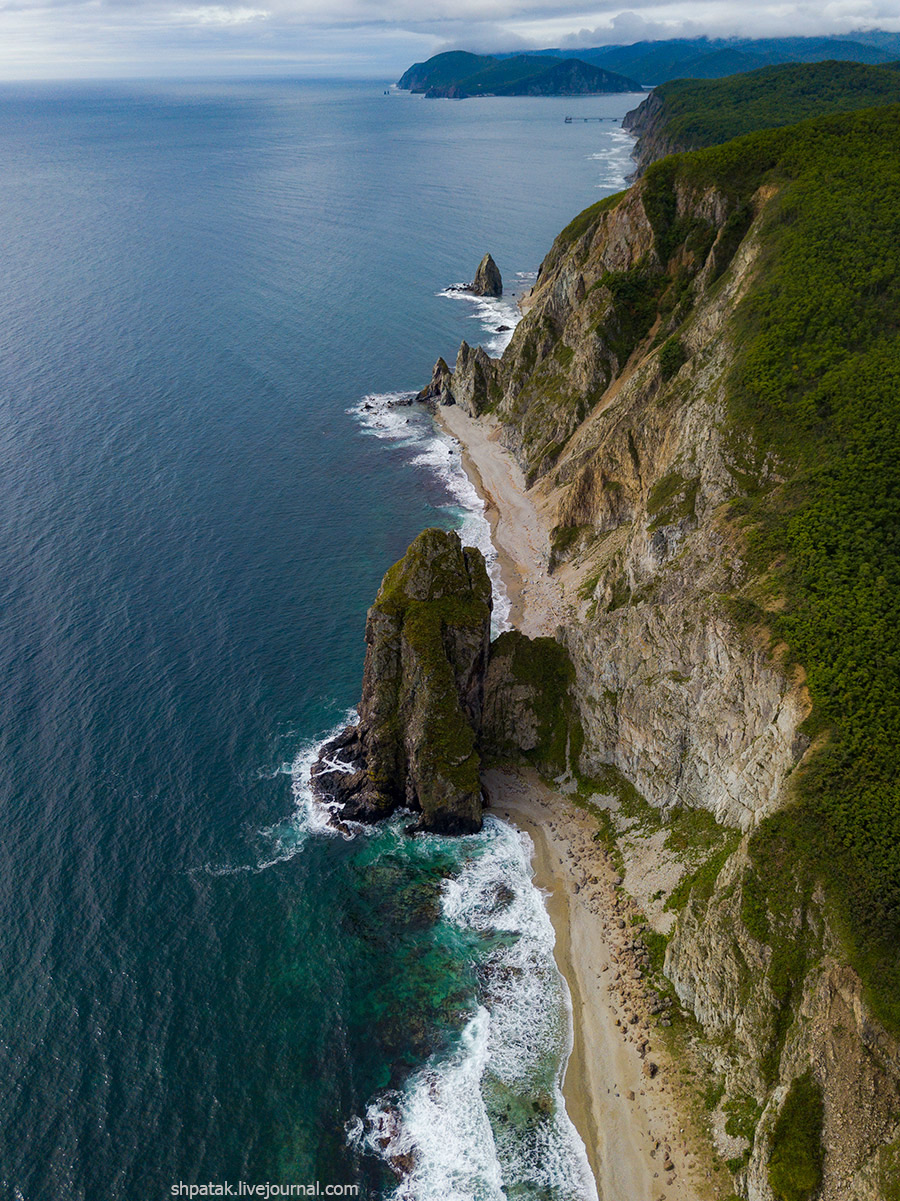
(202, 283)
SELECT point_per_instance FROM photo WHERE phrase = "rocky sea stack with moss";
(427, 637)
(438, 698)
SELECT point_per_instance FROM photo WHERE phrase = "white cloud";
(216, 14)
(370, 37)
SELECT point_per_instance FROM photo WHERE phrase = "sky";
(51, 39)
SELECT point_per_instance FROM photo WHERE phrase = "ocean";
(211, 292)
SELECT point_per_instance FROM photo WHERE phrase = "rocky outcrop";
(529, 711)
(437, 697)
(472, 384)
(439, 391)
(487, 281)
(778, 1005)
(427, 637)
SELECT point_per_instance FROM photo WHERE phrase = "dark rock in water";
(427, 638)
(487, 280)
(439, 390)
(502, 329)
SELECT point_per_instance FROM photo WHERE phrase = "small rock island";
(427, 638)
(487, 280)
(437, 697)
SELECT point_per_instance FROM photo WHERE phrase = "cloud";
(371, 37)
(627, 27)
(216, 14)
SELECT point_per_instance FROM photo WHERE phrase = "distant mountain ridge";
(651, 63)
(458, 74)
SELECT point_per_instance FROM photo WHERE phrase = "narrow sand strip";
(518, 533)
(618, 1085)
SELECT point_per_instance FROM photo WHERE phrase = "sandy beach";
(519, 531)
(619, 1086)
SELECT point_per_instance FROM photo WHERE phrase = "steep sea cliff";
(626, 399)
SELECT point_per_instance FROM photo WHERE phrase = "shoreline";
(518, 530)
(618, 1085)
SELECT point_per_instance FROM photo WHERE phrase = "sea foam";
(497, 316)
(489, 1116)
(389, 416)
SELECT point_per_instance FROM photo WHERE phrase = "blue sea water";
(201, 285)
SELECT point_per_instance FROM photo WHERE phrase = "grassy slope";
(817, 380)
(700, 113)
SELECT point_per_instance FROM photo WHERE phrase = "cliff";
(717, 447)
(687, 114)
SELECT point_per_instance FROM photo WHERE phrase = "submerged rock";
(427, 638)
(487, 280)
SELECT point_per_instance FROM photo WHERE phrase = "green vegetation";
(564, 539)
(713, 1094)
(795, 1165)
(542, 669)
(743, 1116)
(706, 112)
(443, 69)
(458, 74)
(586, 220)
(671, 357)
(816, 382)
(698, 886)
(435, 588)
(671, 499)
(888, 1171)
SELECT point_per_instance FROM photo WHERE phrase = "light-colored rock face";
(723, 975)
(672, 693)
(676, 681)
(685, 711)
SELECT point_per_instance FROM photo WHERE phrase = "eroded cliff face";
(646, 123)
(640, 467)
(777, 1007)
(613, 397)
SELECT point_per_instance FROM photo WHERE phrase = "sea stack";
(427, 637)
(487, 280)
